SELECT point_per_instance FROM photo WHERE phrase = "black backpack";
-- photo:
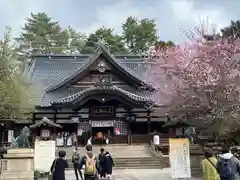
(101, 158)
(227, 169)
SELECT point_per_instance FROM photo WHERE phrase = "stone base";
(14, 176)
(19, 166)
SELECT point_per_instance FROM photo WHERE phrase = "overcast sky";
(88, 15)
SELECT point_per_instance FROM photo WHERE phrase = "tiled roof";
(48, 70)
(45, 121)
(102, 50)
(138, 97)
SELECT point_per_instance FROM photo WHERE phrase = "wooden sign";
(44, 154)
(102, 111)
(102, 123)
(179, 156)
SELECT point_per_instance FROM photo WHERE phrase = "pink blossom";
(208, 67)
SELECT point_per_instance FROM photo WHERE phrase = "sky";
(88, 15)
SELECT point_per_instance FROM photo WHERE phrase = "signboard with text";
(44, 154)
(179, 157)
(102, 111)
(102, 123)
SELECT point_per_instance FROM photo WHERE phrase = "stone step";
(196, 149)
(147, 163)
(196, 172)
(115, 150)
(137, 163)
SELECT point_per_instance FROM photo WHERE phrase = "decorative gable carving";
(91, 79)
(101, 62)
(100, 65)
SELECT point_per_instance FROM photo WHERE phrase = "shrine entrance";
(101, 130)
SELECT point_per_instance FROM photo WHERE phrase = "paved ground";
(135, 174)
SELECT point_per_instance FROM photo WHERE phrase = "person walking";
(65, 138)
(91, 164)
(76, 161)
(85, 137)
(58, 166)
(101, 159)
(208, 165)
(228, 166)
(74, 139)
(108, 165)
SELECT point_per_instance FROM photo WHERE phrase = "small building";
(96, 93)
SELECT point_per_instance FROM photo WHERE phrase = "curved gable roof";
(86, 68)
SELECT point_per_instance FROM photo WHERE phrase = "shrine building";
(96, 93)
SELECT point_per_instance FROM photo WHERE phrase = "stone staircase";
(197, 156)
(137, 163)
(116, 150)
(195, 149)
(141, 157)
(128, 156)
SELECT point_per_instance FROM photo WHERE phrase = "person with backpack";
(76, 161)
(228, 166)
(208, 166)
(90, 161)
(101, 158)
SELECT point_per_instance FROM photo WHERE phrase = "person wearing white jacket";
(228, 166)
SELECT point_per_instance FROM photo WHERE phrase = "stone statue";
(22, 140)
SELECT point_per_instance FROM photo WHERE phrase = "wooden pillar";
(2, 128)
(55, 120)
(149, 121)
(129, 133)
(77, 114)
(55, 116)
(129, 127)
(34, 133)
(34, 117)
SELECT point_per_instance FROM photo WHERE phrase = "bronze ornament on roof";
(101, 67)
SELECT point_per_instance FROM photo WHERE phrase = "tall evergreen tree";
(113, 41)
(41, 35)
(232, 30)
(139, 34)
(75, 41)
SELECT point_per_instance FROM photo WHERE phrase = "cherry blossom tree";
(200, 80)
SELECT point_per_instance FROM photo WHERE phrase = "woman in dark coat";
(101, 159)
(58, 166)
(108, 164)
